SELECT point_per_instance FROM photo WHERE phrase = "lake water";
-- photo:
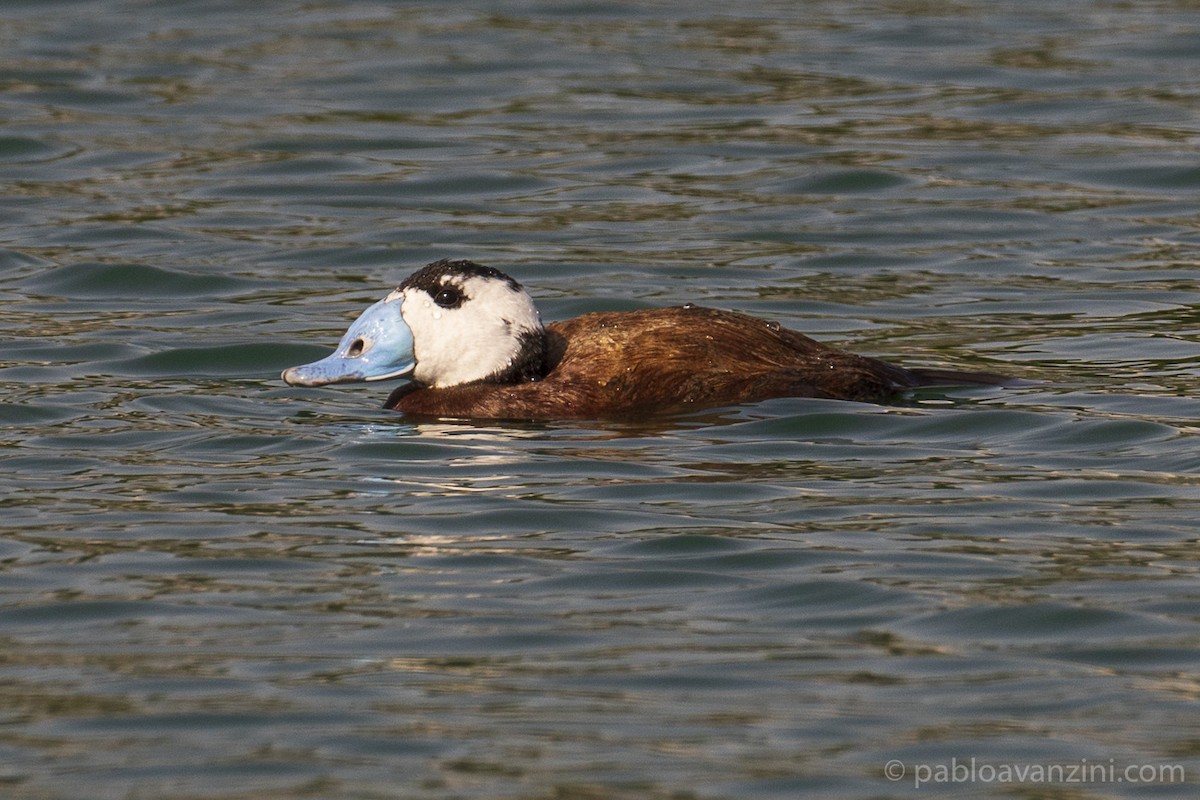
(216, 586)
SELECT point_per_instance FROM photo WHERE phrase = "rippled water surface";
(216, 586)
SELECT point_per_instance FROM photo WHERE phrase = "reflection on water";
(214, 585)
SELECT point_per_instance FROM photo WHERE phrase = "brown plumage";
(666, 360)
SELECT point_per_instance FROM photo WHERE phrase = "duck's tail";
(923, 376)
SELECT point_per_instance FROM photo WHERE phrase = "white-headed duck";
(472, 344)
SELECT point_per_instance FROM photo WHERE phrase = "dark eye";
(355, 349)
(447, 297)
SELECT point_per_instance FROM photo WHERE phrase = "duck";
(471, 343)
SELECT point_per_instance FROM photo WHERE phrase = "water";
(215, 586)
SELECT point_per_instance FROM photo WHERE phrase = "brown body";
(668, 360)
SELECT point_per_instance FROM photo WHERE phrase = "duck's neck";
(529, 364)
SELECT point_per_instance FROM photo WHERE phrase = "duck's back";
(666, 360)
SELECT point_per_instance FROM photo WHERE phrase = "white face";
(468, 329)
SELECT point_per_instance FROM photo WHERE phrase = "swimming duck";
(473, 346)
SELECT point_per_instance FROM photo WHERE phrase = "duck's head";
(450, 323)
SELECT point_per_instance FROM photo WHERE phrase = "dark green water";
(215, 586)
